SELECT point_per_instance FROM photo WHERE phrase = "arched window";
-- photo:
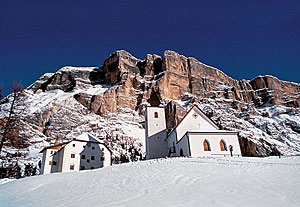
(223, 145)
(206, 145)
(181, 153)
(155, 115)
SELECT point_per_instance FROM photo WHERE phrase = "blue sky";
(242, 38)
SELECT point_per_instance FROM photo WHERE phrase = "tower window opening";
(155, 115)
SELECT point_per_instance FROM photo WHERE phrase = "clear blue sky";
(242, 38)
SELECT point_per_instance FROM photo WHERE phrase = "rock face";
(109, 102)
(274, 91)
(174, 76)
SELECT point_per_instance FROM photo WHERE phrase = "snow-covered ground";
(166, 182)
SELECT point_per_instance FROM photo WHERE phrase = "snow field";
(166, 182)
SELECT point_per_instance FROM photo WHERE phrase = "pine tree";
(30, 170)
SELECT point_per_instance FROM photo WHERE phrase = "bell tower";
(156, 133)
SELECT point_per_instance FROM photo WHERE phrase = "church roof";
(206, 117)
(211, 132)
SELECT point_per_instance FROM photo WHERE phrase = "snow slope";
(166, 182)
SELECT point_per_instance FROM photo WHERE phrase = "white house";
(195, 135)
(82, 153)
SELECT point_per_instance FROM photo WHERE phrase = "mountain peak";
(109, 102)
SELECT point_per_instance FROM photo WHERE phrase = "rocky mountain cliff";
(109, 102)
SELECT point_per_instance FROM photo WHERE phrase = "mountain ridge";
(109, 101)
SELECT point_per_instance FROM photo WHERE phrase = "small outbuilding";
(82, 153)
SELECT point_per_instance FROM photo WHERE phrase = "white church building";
(82, 153)
(195, 135)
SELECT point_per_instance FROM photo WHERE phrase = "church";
(194, 136)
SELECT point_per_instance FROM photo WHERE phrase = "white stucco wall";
(155, 130)
(50, 155)
(63, 158)
(197, 148)
(44, 169)
(60, 159)
(190, 123)
(155, 125)
(172, 140)
(80, 148)
(107, 155)
(184, 145)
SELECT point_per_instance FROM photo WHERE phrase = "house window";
(155, 115)
(206, 145)
(88, 144)
(92, 168)
(50, 162)
(83, 157)
(72, 155)
(88, 160)
(102, 158)
(54, 163)
(92, 157)
(223, 145)
(93, 148)
(72, 166)
(73, 145)
(82, 168)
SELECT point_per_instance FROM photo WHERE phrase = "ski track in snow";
(166, 182)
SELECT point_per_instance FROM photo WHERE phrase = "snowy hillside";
(55, 115)
(165, 182)
(109, 103)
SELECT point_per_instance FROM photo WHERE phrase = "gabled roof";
(86, 137)
(211, 132)
(202, 113)
(57, 146)
(207, 118)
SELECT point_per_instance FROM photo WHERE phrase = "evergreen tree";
(30, 170)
